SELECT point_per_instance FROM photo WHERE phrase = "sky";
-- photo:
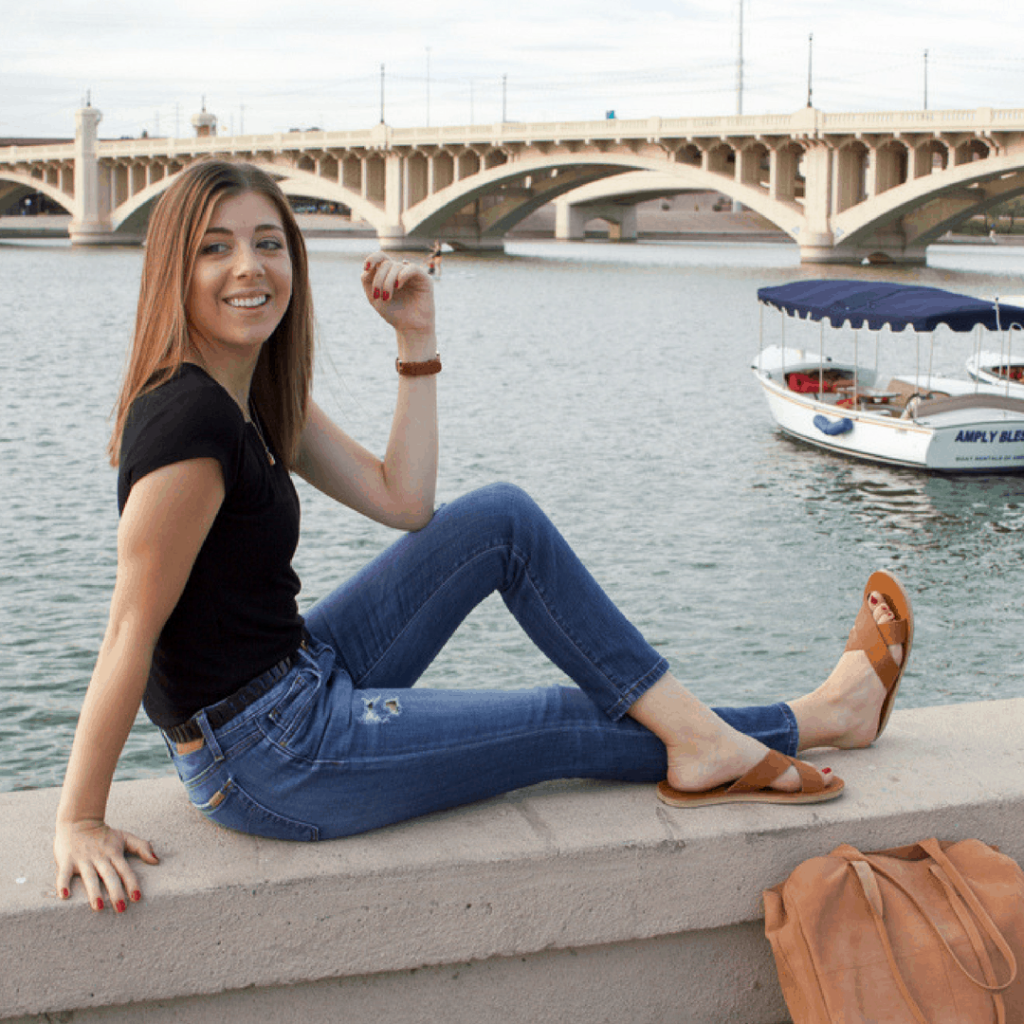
(273, 65)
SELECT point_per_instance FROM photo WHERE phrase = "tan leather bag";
(929, 933)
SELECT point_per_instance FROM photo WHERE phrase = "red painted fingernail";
(136, 896)
(121, 906)
(64, 894)
(385, 296)
(99, 904)
(367, 267)
(872, 600)
(826, 771)
(376, 293)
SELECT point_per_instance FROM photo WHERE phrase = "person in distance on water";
(309, 726)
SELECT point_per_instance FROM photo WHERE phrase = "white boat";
(1002, 367)
(999, 371)
(920, 420)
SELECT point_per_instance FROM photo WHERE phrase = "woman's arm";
(399, 489)
(165, 521)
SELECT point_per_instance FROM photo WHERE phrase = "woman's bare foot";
(844, 711)
(703, 750)
(726, 760)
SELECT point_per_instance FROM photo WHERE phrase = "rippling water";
(612, 383)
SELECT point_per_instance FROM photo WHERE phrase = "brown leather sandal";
(753, 787)
(874, 639)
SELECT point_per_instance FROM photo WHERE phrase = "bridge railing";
(807, 120)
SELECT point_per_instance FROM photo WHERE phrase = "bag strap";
(866, 877)
(957, 892)
(969, 927)
(946, 872)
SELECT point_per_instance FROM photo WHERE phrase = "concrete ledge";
(564, 902)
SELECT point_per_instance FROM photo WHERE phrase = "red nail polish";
(367, 267)
(872, 600)
(385, 296)
(826, 771)
(121, 906)
(99, 904)
(376, 293)
(136, 896)
(64, 894)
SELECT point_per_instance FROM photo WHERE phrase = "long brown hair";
(283, 378)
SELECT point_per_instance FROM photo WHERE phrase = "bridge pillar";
(816, 240)
(624, 229)
(570, 222)
(90, 223)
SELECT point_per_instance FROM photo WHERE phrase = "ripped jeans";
(343, 743)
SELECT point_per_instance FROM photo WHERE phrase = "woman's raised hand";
(98, 853)
(403, 295)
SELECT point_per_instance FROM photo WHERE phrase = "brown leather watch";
(423, 369)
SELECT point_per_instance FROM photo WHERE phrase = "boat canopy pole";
(1009, 355)
(917, 359)
(760, 335)
(782, 313)
(931, 357)
(821, 358)
(856, 369)
(977, 351)
(1004, 351)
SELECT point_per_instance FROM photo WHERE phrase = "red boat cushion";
(803, 384)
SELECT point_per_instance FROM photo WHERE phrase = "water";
(612, 383)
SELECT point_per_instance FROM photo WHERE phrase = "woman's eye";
(214, 248)
(271, 244)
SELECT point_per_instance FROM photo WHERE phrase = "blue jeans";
(342, 743)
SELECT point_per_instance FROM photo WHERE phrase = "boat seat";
(904, 392)
(947, 403)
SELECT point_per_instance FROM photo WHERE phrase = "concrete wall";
(564, 902)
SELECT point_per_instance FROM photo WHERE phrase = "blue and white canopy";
(877, 304)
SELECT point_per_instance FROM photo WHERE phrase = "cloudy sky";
(271, 65)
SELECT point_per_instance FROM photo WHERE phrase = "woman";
(309, 728)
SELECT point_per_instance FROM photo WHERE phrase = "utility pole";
(382, 94)
(810, 66)
(739, 68)
(925, 79)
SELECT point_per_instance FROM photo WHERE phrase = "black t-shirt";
(237, 616)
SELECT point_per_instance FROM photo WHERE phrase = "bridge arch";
(20, 185)
(517, 190)
(133, 214)
(912, 216)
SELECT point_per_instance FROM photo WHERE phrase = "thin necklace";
(259, 433)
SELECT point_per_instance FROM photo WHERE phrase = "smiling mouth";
(251, 303)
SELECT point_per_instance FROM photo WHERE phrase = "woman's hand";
(98, 853)
(403, 294)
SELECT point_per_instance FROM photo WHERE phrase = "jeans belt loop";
(211, 741)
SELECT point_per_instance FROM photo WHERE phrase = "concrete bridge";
(844, 187)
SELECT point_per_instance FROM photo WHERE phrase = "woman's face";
(242, 280)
